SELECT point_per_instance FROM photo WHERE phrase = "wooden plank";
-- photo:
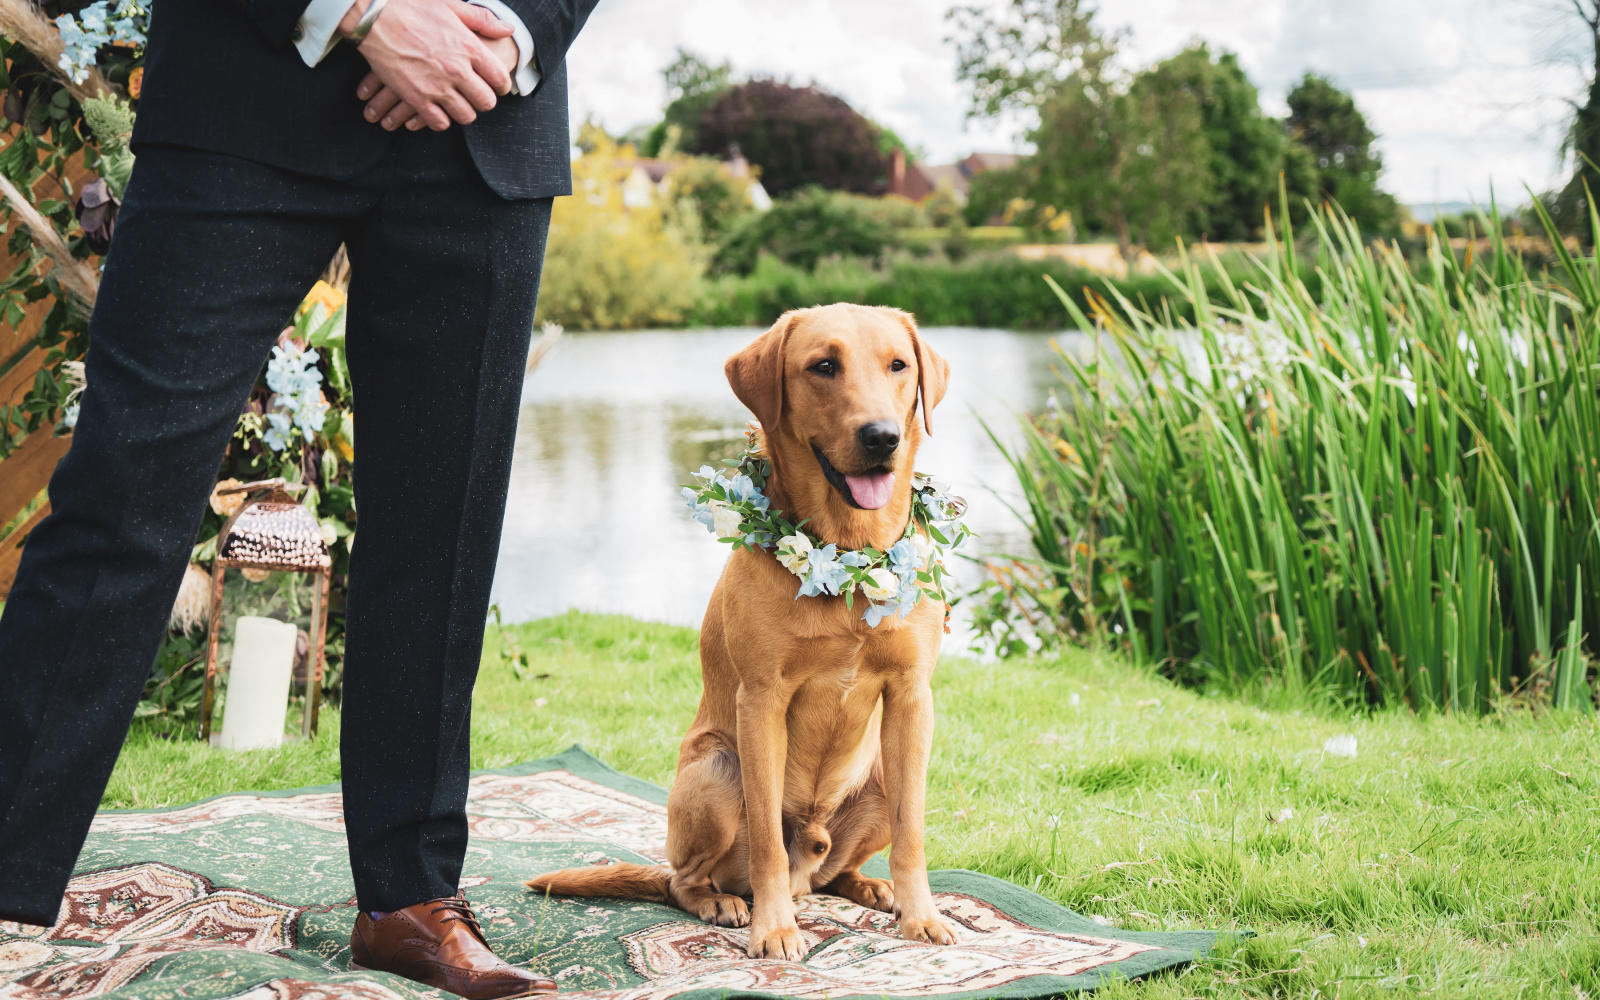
(27, 470)
(11, 549)
(17, 382)
(15, 341)
(25, 473)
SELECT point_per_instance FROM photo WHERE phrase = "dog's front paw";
(930, 929)
(724, 910)
(783, 941)
(875, 893)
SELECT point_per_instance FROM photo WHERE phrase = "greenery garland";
(734, 508)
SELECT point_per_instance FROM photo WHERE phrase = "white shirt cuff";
(318, 31)
(526, 77)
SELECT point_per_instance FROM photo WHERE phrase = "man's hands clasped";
(434, 63)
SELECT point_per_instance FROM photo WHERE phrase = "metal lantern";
(271, 532)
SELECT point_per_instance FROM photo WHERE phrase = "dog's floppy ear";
(933, 372)
(756, 373)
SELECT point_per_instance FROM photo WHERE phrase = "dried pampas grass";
(551, 332)
(193, 606)
(78, 279)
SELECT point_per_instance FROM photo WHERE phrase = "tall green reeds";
(1386, 491)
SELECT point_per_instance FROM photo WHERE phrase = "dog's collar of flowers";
(732, 506)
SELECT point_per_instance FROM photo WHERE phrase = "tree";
(1018, 58)
(796, 135)
(1131, 160)
(1126, 155)
(693, 84)
(1326, 122)
(1246, 147)
(1582, 143)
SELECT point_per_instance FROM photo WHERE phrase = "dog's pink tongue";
(871, 490)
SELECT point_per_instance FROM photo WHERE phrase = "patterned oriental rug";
(249, 896)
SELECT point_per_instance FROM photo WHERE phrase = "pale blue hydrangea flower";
(699, 510)
(876, 613)
(310, 412)
(742, 489)
(97, 26)
(904, 561)
(825, 574)
(297, 401)
(280, 428)
(904, 603)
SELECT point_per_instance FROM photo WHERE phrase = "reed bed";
(1385, 493)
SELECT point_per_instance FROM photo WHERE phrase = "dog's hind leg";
(860, 829)
(705, 817)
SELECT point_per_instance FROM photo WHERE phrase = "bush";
(987, 290)
(704, 186)
(1382, 488)
(609, 266)
(976, 237)
(805, 227)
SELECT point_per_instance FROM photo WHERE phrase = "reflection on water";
(613, 424)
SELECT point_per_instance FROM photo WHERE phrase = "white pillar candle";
(258, 683)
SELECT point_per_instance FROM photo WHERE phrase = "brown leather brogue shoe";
(439, 943)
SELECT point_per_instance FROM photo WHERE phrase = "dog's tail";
(616, 881)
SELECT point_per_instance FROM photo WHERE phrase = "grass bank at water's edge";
(1450, 857)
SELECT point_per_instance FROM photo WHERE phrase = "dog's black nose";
(879, 439)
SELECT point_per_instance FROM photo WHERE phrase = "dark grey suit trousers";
(211, 256)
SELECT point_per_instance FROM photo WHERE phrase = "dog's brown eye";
(897, 365)
(824, 367)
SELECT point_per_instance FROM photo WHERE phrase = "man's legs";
(211, 256)
(444, 279)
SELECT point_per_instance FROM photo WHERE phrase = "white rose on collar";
(883, 585)
(725, 521)
(794, 552)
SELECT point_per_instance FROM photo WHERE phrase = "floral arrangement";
(71, 73)
(734, 508)
(119, 23)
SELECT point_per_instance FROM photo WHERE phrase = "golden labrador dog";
(809, 753)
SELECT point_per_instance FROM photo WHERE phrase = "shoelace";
(457, 908)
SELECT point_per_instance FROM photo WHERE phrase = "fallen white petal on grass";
(1283, 815)
(1340, 746)
(1072, 699)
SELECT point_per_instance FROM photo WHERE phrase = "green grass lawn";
(1450, 857)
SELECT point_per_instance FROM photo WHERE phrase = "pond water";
(614, 424)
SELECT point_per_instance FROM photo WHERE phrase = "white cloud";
(1458, 91)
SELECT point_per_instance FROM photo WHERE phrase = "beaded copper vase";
(271, 532)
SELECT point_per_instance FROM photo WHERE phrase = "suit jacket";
(226, 77)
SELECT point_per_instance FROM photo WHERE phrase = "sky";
(1462, 93)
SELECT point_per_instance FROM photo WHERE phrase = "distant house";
(647, 177)
(918, 181)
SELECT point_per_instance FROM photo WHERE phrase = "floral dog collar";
(733, 507)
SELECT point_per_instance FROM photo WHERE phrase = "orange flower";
(136, 82)
(325, 295)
